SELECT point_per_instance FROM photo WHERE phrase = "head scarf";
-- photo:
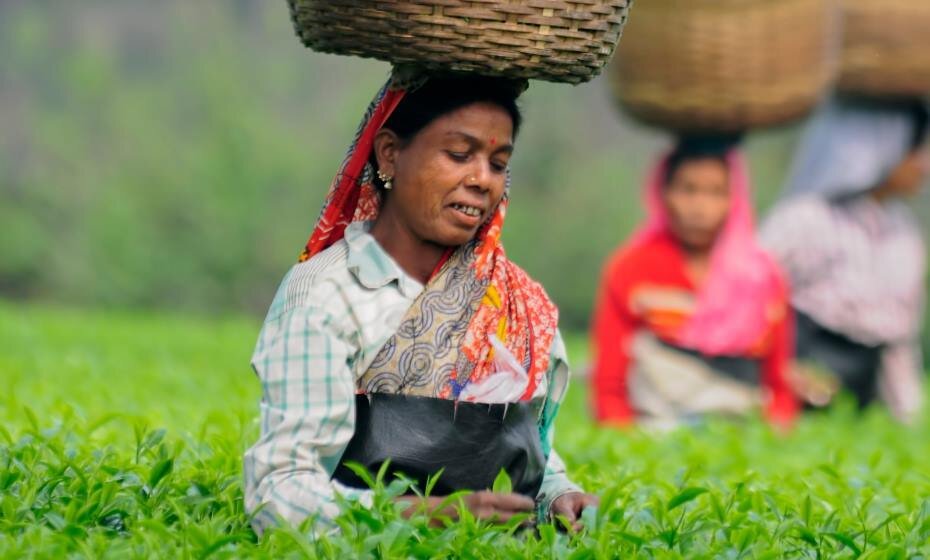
(731, 309)
(850, 148)
(477, 294)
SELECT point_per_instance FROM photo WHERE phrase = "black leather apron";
(855, 364)
(469, 442)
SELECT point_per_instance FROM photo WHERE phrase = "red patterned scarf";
(478, 287)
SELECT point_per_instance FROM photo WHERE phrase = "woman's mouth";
(471, 211)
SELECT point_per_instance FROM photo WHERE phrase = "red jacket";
(642, 288)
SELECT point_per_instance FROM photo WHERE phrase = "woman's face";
(697, 198)
(451, 175)
(908, 177)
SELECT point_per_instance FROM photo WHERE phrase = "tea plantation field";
(121, 436)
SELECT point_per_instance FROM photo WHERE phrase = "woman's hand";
(484, 505)
(570, 506)
(813, 384)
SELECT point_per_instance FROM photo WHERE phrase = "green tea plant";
(122, 436)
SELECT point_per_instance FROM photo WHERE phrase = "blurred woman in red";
(692, 316)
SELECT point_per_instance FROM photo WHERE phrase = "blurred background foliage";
(175, 154)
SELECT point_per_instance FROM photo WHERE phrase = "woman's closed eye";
(460, 157)
(499, 166)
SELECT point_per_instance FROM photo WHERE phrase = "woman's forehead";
(484, 122)
(491, 139)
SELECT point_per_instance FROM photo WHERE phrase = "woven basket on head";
(725, 65)
(554, 40)
(886, 47)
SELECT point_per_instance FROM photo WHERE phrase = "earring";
(386, 179)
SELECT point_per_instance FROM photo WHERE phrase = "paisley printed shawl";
(444, 340)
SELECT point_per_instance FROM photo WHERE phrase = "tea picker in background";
(692, 316)
(854, 254)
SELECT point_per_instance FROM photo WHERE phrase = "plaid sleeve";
(555, 483)
(555, 479)
(307, 420)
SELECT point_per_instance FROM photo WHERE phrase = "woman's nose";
(480, 177)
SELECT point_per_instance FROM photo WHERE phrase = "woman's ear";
(386, 146)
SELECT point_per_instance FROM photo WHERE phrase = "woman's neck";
(418, 258)
(697, 264)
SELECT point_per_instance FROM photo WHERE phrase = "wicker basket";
(725, 65)
(886, 48)
(553, 40)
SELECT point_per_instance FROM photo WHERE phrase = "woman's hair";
(914, 109)
(921, 119)
(692, 148)
(442, 95)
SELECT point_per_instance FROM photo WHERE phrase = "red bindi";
(493, 141)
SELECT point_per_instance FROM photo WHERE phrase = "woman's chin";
(453, 236)
(697, 241)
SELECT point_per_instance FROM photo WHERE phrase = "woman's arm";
(555, 479)
(307, 420)
(900, 379)
(782, 408)
(612, 333)
(901, 375)
(556, 483)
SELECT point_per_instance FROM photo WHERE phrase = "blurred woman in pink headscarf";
(692, 316)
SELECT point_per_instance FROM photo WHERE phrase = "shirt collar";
(371, 265)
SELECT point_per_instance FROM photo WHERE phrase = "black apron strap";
(737, 368)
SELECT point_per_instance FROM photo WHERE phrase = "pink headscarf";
(730, 315)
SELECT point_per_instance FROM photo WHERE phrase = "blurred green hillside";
(175, 154)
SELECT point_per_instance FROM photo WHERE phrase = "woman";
(692, 316)
(403, 312)
(854, 253)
